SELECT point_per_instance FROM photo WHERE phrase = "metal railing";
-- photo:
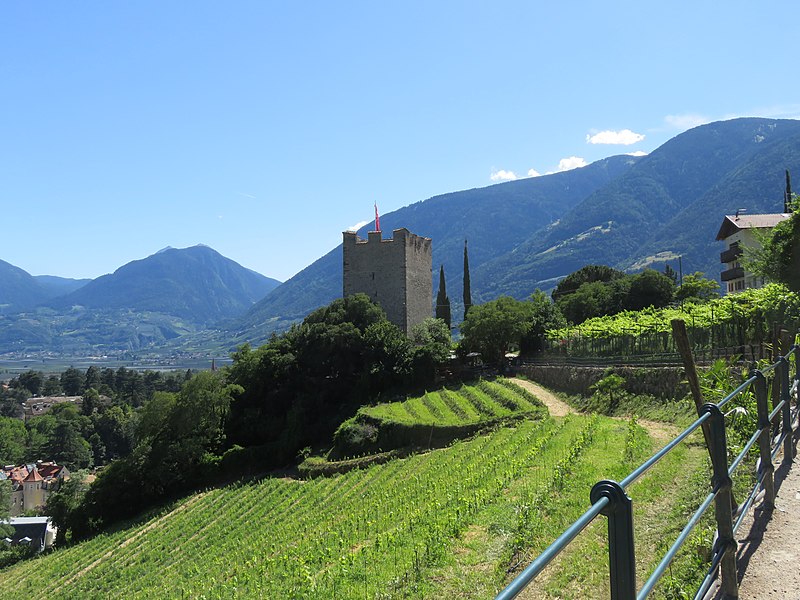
(610, 498)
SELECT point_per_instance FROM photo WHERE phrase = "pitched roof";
(49, 469)
(33, 476)
(733, 223)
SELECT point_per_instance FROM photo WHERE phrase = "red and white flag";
(377, 219)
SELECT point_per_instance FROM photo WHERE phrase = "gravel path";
(769, 542)
(556, 406)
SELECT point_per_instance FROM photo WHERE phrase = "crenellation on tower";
(396, 273)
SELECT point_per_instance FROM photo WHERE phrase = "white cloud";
(784, 111)
(684, 122)
(503, 175)
(533, 173)
(357, 226)
(625, 137)
(573, 162)
(637, 153)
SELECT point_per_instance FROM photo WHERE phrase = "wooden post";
(682, 343)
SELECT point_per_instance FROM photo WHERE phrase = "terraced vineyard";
(439, 524)
(488, 400)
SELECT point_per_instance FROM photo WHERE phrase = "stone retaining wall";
(667, 383)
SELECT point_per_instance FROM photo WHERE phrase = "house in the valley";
(739, 231)
(32, 483)
(37, 532)
(40, 405)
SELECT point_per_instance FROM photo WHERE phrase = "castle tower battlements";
(396, 273)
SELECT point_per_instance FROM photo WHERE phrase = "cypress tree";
(467, 290)
(442, 301)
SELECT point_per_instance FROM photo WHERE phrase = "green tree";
(31, 381)
(612, 386)
(13, 441)
(670, 272)
(198, 417)
(387, 354)
(90, 401)
(72, 382)
(591, 299)
(434, 336)
(467, 285)
(432, 346)
(649, 288)
(116, 427)
(68, 447)
(442, 301)
(494, 327)
(544, 315)
(92, 378)
(778, 256)
(697, 288)
(588, 274)
(64, 506)
(52, 386)
(5, 508)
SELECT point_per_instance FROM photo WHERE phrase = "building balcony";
(730, 255)
(731, 274)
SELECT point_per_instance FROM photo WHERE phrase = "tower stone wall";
(395, 273)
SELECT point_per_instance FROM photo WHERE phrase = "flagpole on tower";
(377, 219)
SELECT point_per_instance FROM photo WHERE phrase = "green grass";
(462, 405)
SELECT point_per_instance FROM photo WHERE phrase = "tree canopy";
(696, 288)
(778, 257)
(596, 291)
(494, 328)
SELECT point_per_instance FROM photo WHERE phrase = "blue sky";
(265, 129)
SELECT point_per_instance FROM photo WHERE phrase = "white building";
(737, 231)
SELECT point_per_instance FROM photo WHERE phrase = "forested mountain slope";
(624, 212)
(494, 219)
(669, 204)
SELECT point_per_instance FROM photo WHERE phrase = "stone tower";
(395, 273)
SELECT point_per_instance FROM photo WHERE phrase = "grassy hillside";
(463, 405)
(448, 523)
(431, 420)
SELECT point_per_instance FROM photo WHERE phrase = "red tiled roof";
(16, 473)
(49, 470)
(33, 476)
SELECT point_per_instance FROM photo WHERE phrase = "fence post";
(723, 505)
(796, 350)
(621, 556)
(765, 451)
(786, 411)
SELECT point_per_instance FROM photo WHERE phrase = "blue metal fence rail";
(609, 498)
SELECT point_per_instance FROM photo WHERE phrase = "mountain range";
(624, 211)
(141, 304)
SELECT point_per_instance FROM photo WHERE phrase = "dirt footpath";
(557, 407)
(661, 432)
(769, 542)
